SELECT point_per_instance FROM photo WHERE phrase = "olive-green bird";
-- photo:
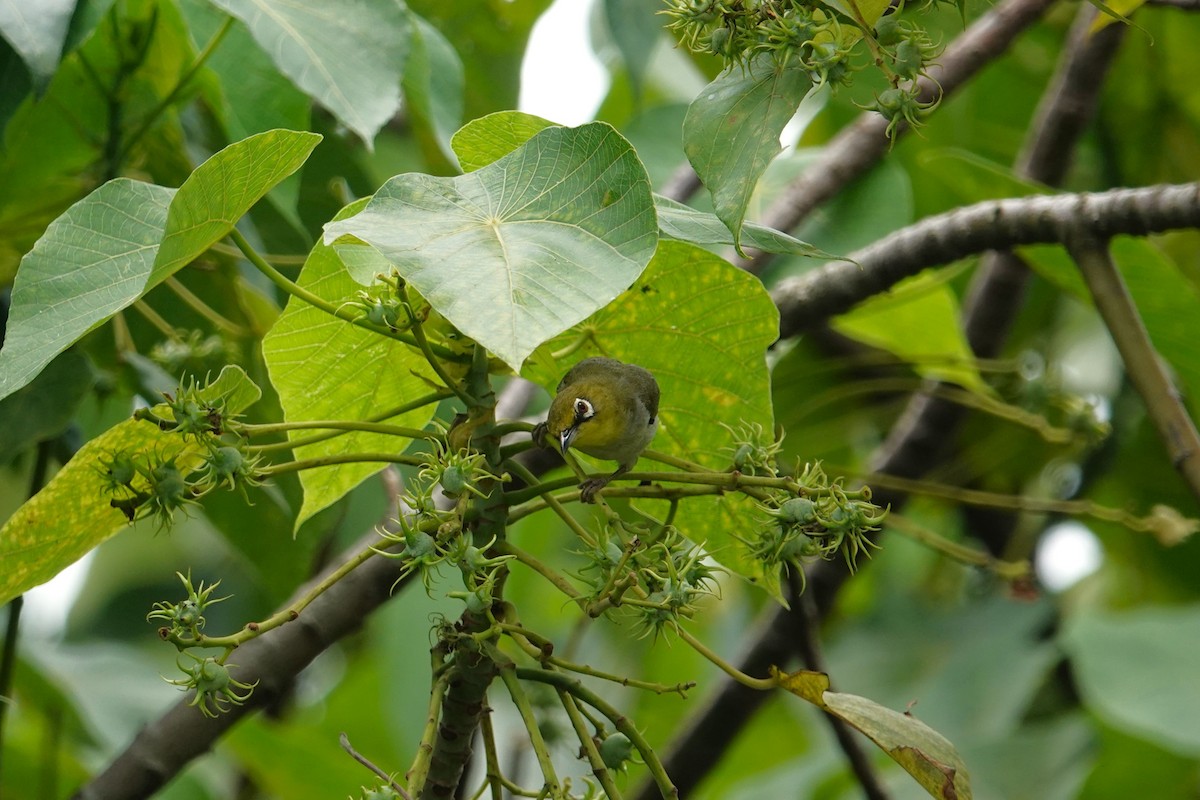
(607, 409)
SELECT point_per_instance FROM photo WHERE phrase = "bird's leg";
(538, 434)
(589, 488)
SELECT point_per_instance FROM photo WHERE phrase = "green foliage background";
(1086, 693)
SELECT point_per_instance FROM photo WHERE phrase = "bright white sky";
(561, 79)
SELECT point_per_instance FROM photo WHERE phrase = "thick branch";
(1143, 365)
(837, 287)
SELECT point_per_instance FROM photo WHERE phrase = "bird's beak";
(566, 437)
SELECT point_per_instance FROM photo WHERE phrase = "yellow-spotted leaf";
(73, 514)
(923, 752)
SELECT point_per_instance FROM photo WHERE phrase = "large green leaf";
(324, 368)
(732, 130)
(1137, 670)
(92, 262)
(37, 31)
(346, 55)
(119, 242)
(222, 189)
(923, 752)
(918, 321)
(518, 251)
(702, 327)
(72, 514)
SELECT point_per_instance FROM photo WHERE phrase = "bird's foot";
(538, 434)
(588, 489)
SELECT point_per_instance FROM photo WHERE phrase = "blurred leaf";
(216, 195)
(1166, 300)
(1127, 766)
(974, 668)
(325, 368)
(487, 139)
(296, 761)
(731, 132)
(923, 752)
(1048, 759)
(702, 327)
(687, 224)
(346, 55)
(433, 83)
(43, 408)
(636, 30)
(1137, 671)
(491, 38)
(540, 239)
(918, 321)
(93, 261)
(72, 514)
(37, 32)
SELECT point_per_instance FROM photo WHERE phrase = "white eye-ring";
(583, 409)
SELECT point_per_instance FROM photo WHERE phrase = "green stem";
(345, 458)
(339, 425)
(508, 675)
(404, 408)
(955, 394)
(155, 319)
(599, 769)
(173, 95)
(522, 472)
(341, 312)
(493, 778)
(559, 582)
(763, 684)
(619, 720)
(1008, 570)
(202, 308)
(418, 331)
(286, 615)
(418, 772)
(538, 647)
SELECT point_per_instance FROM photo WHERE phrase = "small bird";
(607, 409)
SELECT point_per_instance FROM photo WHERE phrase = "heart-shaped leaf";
(522, 249)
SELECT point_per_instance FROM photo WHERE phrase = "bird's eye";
(583, 409)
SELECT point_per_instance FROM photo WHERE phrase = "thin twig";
(344, 740)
